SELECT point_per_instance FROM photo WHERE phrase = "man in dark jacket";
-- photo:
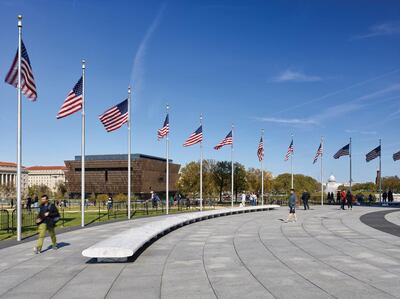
(384, 196)
(47, 217)
(292, 206)
(349, 199)
(305, 197)
(390, 196)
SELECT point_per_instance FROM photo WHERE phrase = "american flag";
(375, 153)
(228, 140)
(27, 80)
(344, 151)
(289, 151)
(319, 153)
(195, 137)
(260, 150)
(396, 156)
(115, 117)
(161, 133)
(73, 102)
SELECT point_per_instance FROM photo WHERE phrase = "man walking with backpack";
(46, 220)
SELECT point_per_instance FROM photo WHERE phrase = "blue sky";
(310, 68)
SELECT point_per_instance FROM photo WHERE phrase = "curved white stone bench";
(127, 243)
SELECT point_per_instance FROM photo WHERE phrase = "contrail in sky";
(138, 62)
(338, 91)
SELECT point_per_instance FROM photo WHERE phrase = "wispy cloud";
(320, 98)
(357, 104)
(396, 112)
(382, 29)
(390, 88)
(138, 62)
(338, 110)
(290, 121)
(295, 76)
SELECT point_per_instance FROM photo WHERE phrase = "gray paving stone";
(327, 253)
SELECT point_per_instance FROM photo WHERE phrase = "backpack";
(57, 217)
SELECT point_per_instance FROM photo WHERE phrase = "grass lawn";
(71, 217)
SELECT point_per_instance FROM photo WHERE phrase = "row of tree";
(217, 180)
(9, 191)
(388, 183)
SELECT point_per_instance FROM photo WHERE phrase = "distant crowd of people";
(250, 197)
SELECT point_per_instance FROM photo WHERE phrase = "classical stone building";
(108, 174)
(8, 175)
(332, 186)
(49, 176)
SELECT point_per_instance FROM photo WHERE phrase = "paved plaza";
(327, 253)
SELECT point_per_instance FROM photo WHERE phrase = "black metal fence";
(4, 220)
(101, 211)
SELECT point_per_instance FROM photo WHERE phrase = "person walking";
(384, 196)
(338, 197)
(29, 203)
(305, 197)
(243, 199)
(110, 202)
(390, 196)
(332, 198)
(342, 199)
(349, 199)
(370, 199)
(292, 207)
(46, 220)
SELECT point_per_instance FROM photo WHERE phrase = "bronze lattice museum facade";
(108, 174)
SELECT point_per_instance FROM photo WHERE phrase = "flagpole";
(83, 148)
(262, 170)
(167, 170)
(232, 178)
(129, 152)
(291, 162)
(351, 171)
(201, 166)
(322, 171)
(19, 132)
(380, 171)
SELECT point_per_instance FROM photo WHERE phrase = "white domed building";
(332, 185)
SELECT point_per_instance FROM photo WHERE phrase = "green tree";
(188, 183)
(209, 188)
(61, 190)
(282, 183)
(121, 197)
(39, 190)
(240, 180)
(221, 173)
(364, 187)
(101, 198)
(391, 183)
(253, 177)
(189, 179)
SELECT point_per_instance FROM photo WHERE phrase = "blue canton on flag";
(375, 153)
(344, 151)
(115, 117)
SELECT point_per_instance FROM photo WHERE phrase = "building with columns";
(8, 175)
(332, 186)
(50, 176)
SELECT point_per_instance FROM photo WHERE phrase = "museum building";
(108, 174)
